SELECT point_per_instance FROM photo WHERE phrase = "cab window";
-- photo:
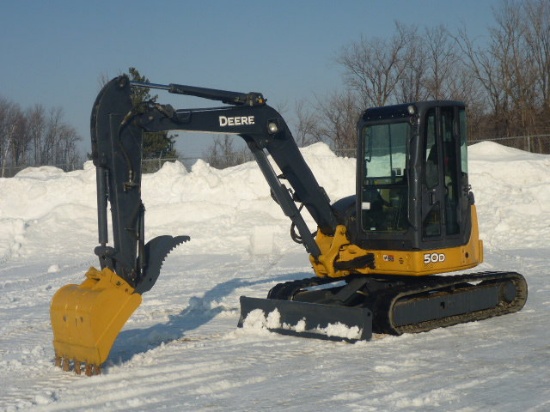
(385, 188)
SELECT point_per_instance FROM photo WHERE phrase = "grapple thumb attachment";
(87, 318)
(310, 320)
(156, 251)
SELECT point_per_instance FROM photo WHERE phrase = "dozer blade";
(311, 320)
(87, 318)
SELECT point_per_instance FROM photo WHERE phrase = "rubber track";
(387, 302)
(404, 290)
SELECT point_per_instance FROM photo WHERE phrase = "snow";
(181, 350)
(257, 319)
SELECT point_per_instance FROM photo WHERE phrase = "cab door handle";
(433, 197)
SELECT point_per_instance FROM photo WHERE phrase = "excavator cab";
(413, 192)
(413, 211)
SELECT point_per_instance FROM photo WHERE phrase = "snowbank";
(181, 350)
(512, 195)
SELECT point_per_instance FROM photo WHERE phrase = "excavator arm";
(84, 334)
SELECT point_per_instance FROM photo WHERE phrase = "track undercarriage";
(390, 304)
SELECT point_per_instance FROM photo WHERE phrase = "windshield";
(385, 152)
(385, 188)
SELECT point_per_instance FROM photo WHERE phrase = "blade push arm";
(117, 127)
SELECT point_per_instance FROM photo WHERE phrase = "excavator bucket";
(87, 318)
(310, 320)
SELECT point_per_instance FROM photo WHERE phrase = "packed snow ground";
(181, 350)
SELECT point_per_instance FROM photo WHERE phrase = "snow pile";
(181, 349)
(512, 196)
(257, 320)
(219, 209)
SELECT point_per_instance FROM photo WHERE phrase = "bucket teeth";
(77, 366)
(65, 365)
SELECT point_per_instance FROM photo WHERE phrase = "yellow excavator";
(379, 256)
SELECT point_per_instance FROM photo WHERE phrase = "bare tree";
(307, 125)
(443, 65)
(10, 121)
(223, 154)
(514, 68)
(30, 138)
(51, 133)
(20, 141)
(336, 122)
(483, 66)
(36, 125)
(413, 66)
(372, 68)
(537, 39)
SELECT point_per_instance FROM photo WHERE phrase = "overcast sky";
(55, 52)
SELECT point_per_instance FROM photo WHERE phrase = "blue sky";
(55, 52)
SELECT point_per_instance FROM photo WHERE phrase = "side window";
(440, 204)
(431, 175)
(463, 142)
(431, 224)
(450, 188)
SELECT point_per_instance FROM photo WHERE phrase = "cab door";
(442, 211)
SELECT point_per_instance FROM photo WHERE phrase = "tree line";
(504, 79)
(35, 137)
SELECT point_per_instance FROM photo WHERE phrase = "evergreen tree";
(156, 145)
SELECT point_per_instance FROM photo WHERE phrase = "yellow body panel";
(87, 318)
(395, 262)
